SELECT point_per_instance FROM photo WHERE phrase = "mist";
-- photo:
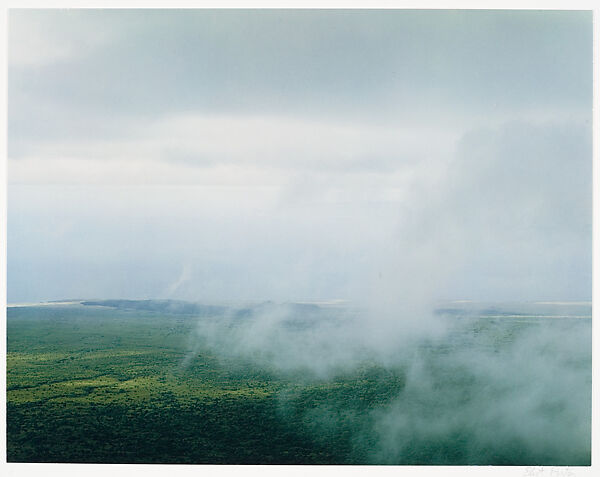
(343, 184)
(486, 384)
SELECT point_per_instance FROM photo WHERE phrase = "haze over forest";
(299, 237)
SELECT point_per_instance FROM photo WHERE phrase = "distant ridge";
(168, 306)
(191, 308)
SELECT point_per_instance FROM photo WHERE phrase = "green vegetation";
(92, 384)
(138, 382)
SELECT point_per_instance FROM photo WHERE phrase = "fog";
(501, 385)
(529, 398)
(507, 216)
(376, 164)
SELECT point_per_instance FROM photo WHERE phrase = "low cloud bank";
(510, 388)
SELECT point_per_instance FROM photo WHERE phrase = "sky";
(367, 156)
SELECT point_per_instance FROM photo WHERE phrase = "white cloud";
(42, 37)
(193, 148)
(329, 165)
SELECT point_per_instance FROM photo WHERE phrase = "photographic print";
(299, 236)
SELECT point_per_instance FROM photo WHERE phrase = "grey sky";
(299, 155)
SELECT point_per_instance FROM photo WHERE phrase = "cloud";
(516, 202)
(170, 148)
(426, 65)
(504, 215)
(185, 276)
(38, 38)
(446, 152)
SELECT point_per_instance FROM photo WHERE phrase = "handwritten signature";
(548, 472)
